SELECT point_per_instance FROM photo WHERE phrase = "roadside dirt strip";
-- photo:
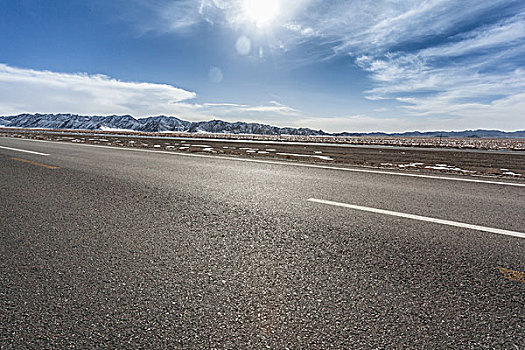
(471, 162)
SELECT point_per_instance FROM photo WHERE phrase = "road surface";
(120, 248)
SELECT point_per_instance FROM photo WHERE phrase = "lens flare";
(215, 74)
(243, 45)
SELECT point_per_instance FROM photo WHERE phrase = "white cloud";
(223, 105)
(272, 107)
(364, 123)
(416, 52)
(437, 57)
(271, 112)
(164, 16)
(366, 27)
(475, 78)
(33, 91)
(504, 34)
(160, 16)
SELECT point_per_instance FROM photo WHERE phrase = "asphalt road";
(119, 248)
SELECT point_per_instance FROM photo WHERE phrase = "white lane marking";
(370, 171)
(24, 150)
(421, 218)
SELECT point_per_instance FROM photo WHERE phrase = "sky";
(356, 65)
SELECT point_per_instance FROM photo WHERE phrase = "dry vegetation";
(473, 157)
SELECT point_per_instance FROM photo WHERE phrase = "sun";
(261, 12)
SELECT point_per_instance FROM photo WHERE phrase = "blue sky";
(381, 65)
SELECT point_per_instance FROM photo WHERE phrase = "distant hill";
(164, 123)
(459, 134)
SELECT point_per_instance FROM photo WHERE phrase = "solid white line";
(24, 150)
(370, 171)
(421, 218)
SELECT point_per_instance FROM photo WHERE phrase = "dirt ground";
(468, 162)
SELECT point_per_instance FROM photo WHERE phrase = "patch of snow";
(511, 173)
(446, 167)
(263, 152)
(105, 128)
(323, 157)
(410, 165)
(438, 167)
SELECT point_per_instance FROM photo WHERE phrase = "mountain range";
(164, 123)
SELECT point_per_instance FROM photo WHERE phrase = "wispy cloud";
(270, 106)
(435, 57)
(461, 61)
(476, 77)
(224, 105)
(163, 16)
(271, 112)
(159, 16)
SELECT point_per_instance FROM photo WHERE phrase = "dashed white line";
(370, 171)
(24, 150)
(421, 218)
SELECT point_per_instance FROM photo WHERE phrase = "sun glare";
(262, 12)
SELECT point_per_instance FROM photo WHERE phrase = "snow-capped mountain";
(70, 121)
(151, 124)
(164, 123)
(220, 126)
(4, 122)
